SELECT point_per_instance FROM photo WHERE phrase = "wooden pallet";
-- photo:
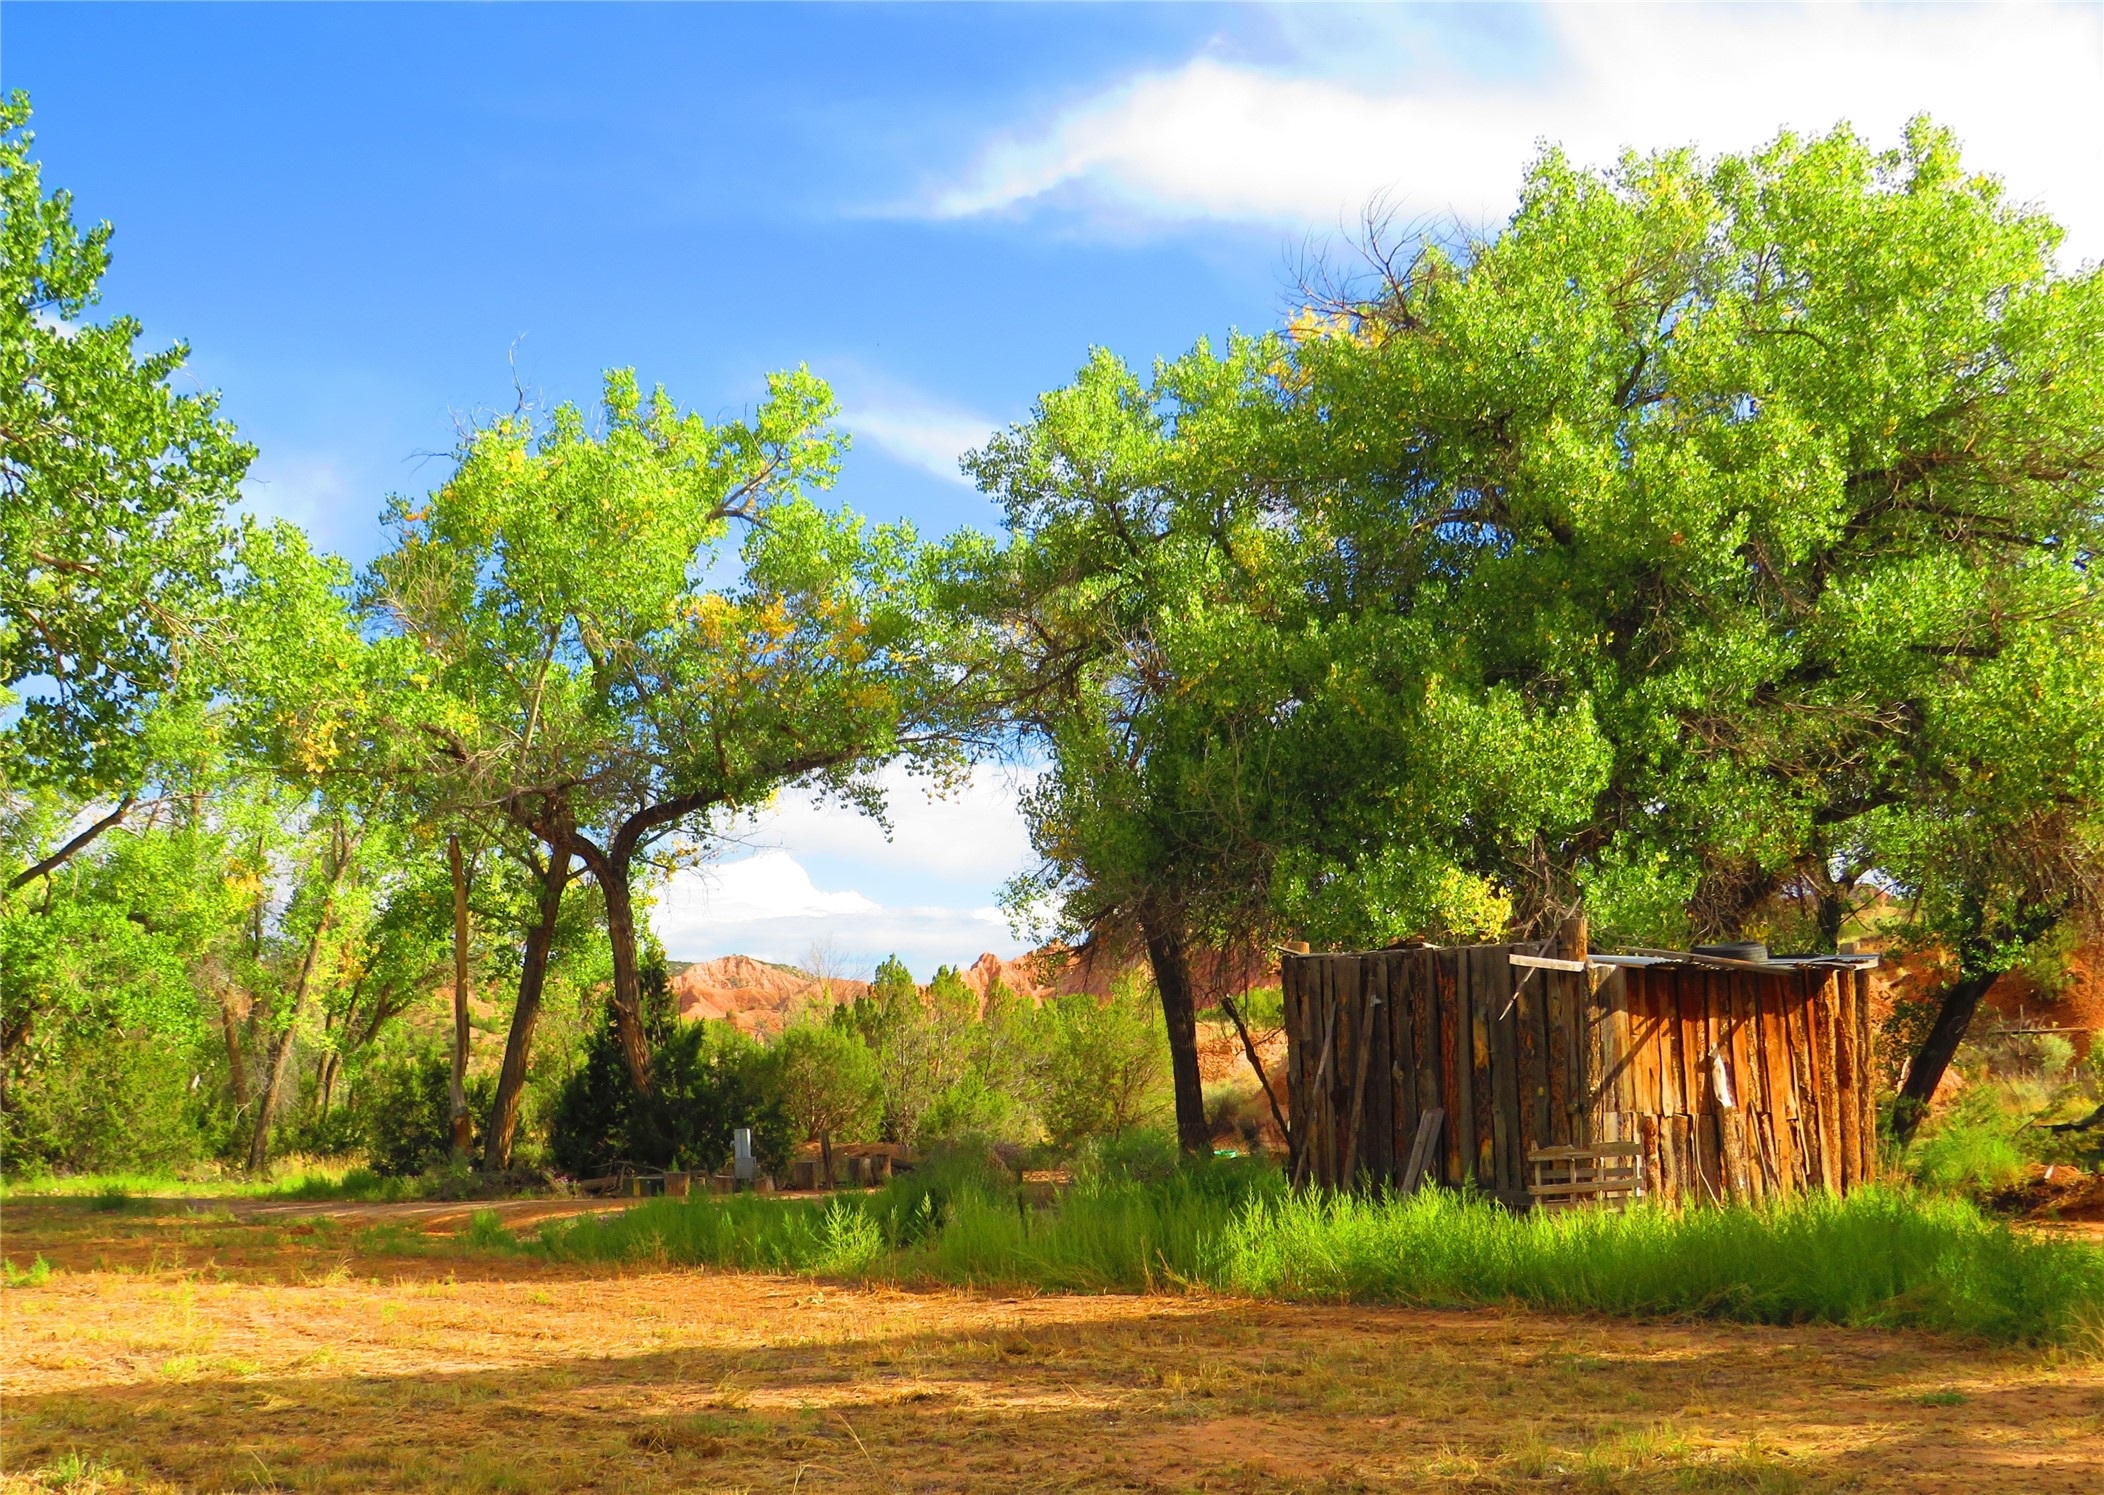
(1607, 1173)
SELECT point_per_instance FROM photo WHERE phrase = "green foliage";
(1105, 1066)
(1970, 1147)
(1872, 1259)
(563, 645)
(103, 1099)
(406, 1111)
(710, 1080)
(920, 1045)
(114, 542)
(828, 1082)
(1876, 1259)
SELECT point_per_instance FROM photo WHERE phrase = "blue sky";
(362, 218)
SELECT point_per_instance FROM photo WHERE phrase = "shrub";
(1106, 1064)
(407, 1112)
(99, 1102)
(708, 1079)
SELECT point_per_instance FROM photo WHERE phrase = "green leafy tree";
(1245, 740)
(1785, 465)
(829, 1086)
(584, 676)
(114, 540)
(1105, 1062)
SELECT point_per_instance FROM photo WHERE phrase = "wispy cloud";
(921, 433)
(1311, 143)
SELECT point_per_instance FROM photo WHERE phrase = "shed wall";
(1561, 1058)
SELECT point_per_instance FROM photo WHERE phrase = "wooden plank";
(1483, 1103)
(1804, 1121)
(1746, 1082)
(1289, 968)
(1640, 1078)
(1691, 995)
(1424, 1149)
(1617, 1044)
(1845, 1080)
(1453, 1059)
(1342, 1066)
(1781, 1137)
(1666, 992)
(1557, 1037)
(1545, 962)
(1601, 1150)
(1495, 973)
(1402, 1028)
(1867, 1069)
(1825, 1063)
(1650, 1131)
(1377, 1150)
(1359, 1002)
(1424, 1002)
(1530, 1014)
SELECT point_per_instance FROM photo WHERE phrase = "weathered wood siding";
(1566, 1058)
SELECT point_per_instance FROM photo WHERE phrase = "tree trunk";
(237, 1066)
(281, 1048)
(628, 1001)
(825, 1153)
(1960, 1002)
(518, 1044)
(463, 1127)
(1172, 978)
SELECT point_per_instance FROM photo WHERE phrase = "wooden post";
(463, 1125)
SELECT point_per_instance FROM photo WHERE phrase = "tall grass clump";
(1110, 1232)
(740, 1232)
(1876, 1258)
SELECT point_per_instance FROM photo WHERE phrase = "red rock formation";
(755, 994)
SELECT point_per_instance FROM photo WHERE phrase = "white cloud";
(313, 491)
(767, 905)
(2022, 85)
(920, 895)
(767, 885)
(975, 836)
(921, 433)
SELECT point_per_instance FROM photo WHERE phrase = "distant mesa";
(762, 997)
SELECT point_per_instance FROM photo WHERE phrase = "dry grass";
(199, 1353)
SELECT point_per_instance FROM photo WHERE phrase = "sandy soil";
(179, 1352)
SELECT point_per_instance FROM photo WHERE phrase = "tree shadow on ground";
(1167, 1394)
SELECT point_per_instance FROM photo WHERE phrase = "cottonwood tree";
(114, 538)
(1244, 743)
(1787, 465)
(594, 669)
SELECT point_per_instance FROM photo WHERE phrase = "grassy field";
(169, 1350)
(1875, 1259)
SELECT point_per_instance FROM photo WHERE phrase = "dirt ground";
(230, 1350)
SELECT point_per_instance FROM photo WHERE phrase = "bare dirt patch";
(345, 1360)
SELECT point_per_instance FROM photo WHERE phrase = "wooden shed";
(1735, 1078)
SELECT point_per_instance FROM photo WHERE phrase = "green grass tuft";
(1878, 1258)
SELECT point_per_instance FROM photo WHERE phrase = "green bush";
(110, 1101)
(708, 1079)
(407, 1109)
(1971, 1147)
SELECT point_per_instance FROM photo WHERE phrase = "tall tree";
(114, 540)
(1786, 463)
(1243, 742)
(588, 674)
